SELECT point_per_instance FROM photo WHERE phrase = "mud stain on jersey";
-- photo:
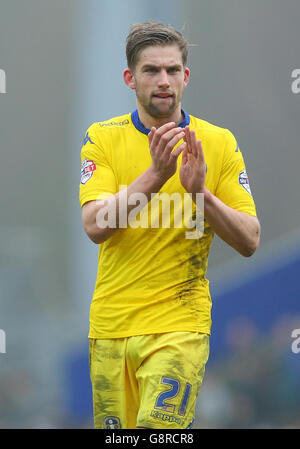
(194, 263)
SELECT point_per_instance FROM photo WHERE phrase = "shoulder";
(103, 137)
(221, 140)
(113, 123)
(210, 128)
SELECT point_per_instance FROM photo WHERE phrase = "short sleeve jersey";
(151, 278)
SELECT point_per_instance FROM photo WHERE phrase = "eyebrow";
(154, 66)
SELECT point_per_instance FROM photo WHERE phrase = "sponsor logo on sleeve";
(113, 123)
(244, 181)
(87, 169)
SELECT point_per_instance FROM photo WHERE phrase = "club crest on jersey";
(244, 181)
(112, 422)
(87, 169)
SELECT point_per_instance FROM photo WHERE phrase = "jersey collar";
(139, 125)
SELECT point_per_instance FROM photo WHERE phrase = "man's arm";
(147, 183)
(239, 229)
(164, 165)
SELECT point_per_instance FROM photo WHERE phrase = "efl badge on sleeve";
(87, 169)
(244, 181)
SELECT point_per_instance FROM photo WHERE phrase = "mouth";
(163, 95)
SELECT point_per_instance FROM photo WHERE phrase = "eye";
(173, 70)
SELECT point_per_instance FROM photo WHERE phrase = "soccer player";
(150, 316)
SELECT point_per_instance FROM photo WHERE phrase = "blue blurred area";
(263, 299)
(253, 375)
(252, 314)
(77, 387)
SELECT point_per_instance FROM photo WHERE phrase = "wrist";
(155, 177)
(207, 195)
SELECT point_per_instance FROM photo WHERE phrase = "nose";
(163, 80)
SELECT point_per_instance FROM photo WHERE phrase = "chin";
(161, 112)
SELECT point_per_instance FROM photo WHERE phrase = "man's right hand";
(162, 142)
(164, 163)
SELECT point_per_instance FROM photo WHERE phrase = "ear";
(129, 78)
(186, 76)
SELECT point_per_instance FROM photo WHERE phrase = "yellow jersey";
(152, 279)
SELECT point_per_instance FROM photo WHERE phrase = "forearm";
(162, 142)
(238, 229)
(96, 219)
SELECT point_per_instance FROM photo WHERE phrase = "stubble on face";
(152, 106)
(149, 94)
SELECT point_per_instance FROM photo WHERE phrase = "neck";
(149, 121)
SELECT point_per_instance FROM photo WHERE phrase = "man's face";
(160, 79)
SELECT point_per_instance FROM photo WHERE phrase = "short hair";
(149, 33)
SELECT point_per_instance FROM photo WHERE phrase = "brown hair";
(142, 35)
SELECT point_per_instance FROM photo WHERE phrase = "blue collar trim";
(139, 125)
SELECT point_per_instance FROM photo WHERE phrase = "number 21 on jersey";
(173, 391)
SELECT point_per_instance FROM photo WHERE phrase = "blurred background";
(61, 64)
